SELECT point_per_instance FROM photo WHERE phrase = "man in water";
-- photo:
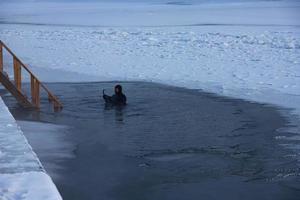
(117, 99)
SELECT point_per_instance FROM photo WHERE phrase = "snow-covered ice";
(255, 61)
(21, 174)
(248, 50)
(28, 186)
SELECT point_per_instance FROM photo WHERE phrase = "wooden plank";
(17, 74)
(37, 93)
(1, 57)
(16, 57)
(22, 99)
(32, 80)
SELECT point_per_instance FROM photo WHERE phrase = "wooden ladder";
(15, 87)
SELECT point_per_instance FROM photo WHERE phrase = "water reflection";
(118, 109)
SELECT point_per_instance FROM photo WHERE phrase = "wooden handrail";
(35, 83)
(1, 57)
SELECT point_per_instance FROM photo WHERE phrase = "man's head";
(118, 89)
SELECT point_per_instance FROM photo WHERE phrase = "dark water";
(167, 143)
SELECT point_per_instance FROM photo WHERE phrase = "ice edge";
(31, 183)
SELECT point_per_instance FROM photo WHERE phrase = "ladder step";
(21, 98)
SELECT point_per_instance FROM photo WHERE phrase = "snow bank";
(27, 186)
(21, 173)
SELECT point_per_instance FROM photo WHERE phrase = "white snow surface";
(22, 176)
(245, 50)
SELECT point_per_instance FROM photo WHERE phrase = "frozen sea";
(245, 49)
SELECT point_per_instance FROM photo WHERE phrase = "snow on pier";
(22, 176)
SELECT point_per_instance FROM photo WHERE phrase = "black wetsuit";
(116, 99)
